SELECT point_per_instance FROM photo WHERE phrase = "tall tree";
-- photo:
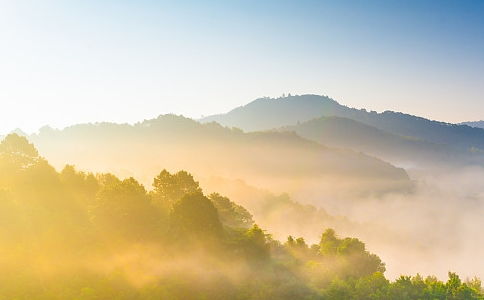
(169, 188)
(195, 217)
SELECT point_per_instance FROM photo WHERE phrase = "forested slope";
(279, 161)
(78, 235)
(463, 143)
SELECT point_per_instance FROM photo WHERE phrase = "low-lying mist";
(416, 224)
(435, 228)
(439, 226)
(81, 235)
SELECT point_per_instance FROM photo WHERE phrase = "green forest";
(72, 234)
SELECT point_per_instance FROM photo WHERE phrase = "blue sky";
(65, 62)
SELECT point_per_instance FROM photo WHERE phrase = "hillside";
(407, 151)
(281, 161)
(267, 113)
(78, 235)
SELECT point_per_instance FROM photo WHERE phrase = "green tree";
(123, 208)
(230, 213)
(329, 242)
(16, 155)
(372, 287)
(456, 290)
(195, 217)
(169, 188)
(18, 151)
(256, 244)
(83, 187)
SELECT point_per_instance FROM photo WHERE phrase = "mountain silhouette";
(406, 151)
(395, 132)
(277, 160)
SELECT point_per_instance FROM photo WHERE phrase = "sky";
(68, 62)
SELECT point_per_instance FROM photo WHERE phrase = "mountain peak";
(268, 113)
(272, 113)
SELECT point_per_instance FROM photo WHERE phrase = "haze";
(125, 61)
(241, 150)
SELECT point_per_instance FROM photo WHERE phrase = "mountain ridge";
(269, 113)
(400, 150)
(175, 142)
(476, 124)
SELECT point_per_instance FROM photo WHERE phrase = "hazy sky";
(65, 62)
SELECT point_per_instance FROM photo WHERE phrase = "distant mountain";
(407, 151)
(267, 113)
(476, 124)
(270, 113)
(280, 161)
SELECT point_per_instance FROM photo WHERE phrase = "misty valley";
(295, 197)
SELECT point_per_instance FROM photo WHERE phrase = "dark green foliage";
(350, 255)
(256, 243)
(195, 217)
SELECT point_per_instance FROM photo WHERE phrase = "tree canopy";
(79, 235)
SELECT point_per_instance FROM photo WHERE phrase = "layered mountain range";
(306, 142)
(280, 161)
(400, 138)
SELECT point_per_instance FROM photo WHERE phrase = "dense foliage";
(77, 235)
